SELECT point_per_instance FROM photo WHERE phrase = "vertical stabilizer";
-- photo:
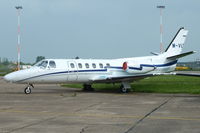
(176, 45)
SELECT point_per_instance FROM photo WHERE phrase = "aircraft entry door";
(72, 71)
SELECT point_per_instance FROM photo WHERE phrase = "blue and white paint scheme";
(89, 71)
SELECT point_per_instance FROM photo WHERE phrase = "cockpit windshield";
(42, 64)
(46, 64)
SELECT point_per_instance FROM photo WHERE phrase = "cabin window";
(94, 65)
(52, 64)
(80, 65)
(108, 65)
(87, 65)
(72, 65)
(100, 65)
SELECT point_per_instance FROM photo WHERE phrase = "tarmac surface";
(51, 108)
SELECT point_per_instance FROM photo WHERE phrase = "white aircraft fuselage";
(89, 71)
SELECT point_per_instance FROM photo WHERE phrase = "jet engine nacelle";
(137, 68)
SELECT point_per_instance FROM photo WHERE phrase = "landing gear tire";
(88, 88)
(27, 90)
(123, 89)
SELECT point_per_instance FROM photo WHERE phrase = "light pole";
(19, 8)
(161, 28)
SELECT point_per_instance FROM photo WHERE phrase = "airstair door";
(72, 71)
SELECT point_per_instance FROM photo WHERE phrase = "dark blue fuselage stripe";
(75, 71)
(102, 70)
(147, 65)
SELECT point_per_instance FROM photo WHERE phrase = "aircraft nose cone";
(7, 77)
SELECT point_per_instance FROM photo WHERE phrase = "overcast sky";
(95, 28)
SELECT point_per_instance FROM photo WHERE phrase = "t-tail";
(173, 51)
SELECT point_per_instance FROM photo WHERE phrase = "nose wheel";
(27, 90)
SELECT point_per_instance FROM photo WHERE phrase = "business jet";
(89, 71)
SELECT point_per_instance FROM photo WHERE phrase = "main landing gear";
(27, 90)
(87, 87)
(125, 86)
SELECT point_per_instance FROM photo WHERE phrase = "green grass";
(158, 84)
(168, 84)
(3, 73)
(4, 69)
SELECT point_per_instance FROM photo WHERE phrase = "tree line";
(5, 61)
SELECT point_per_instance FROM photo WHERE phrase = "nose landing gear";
(27, 90)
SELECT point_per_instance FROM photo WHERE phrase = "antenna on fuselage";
(77, 57)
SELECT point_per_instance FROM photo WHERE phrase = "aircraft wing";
(189, 74)
(117, 79)
(120, 78)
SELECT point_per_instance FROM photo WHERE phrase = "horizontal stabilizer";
(180, 55)
(154, 53)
